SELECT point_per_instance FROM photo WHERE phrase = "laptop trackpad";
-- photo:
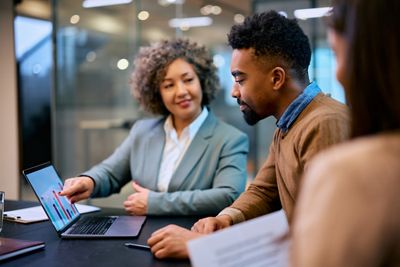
(126, 226)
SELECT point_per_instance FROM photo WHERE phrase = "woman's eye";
(188, 80)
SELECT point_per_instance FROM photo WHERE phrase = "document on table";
(259, 242)
(37, 214)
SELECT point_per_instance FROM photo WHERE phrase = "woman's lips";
(184, 103)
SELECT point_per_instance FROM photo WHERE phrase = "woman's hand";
(136, 204)
(77, 188)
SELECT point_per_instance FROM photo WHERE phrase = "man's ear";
(278, 77)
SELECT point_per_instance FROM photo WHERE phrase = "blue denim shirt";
(297, 106)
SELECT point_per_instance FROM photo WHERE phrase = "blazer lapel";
(154, 150)
(193, 154)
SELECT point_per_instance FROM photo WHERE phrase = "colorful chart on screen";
(58, 208)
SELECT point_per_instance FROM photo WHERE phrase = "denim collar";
(297, 106)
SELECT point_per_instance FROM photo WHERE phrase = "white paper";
(37, 214)
(259, 242)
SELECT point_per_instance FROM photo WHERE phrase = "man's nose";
(235, 92)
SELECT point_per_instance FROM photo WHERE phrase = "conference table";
(87, 252)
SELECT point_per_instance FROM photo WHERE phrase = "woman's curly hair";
(150, 67)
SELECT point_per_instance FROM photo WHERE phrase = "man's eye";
(239, 81)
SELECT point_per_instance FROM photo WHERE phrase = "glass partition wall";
(92, 108)
(95, 47)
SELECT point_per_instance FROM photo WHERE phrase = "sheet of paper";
(258, 242)
(37, 214)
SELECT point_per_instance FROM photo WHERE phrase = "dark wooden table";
(93, 252)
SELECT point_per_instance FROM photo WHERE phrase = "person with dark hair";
(270, 60)
(349, 207)
(186, 162)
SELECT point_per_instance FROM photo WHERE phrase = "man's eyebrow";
(236, 73)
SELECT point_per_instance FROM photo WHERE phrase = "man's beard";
(250, 116)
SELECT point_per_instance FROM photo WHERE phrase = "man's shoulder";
(324, 108)
(323, 116)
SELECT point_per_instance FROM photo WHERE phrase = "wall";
(9, 166)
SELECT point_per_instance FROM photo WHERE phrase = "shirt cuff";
(236, 215)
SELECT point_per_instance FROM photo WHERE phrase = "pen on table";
(14, 218)
(134, 245)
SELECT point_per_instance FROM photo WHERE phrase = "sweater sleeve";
(262, 195)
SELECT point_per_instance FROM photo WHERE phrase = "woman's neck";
(180, 124)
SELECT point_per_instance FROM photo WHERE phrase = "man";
(270, 59)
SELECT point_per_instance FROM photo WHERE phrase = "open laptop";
(64, 216)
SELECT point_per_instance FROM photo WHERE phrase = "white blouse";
(175, 148)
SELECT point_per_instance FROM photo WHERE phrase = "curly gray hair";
(150, 67)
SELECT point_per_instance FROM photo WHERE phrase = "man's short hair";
(271, 34)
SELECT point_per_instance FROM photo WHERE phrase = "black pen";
(134, 245)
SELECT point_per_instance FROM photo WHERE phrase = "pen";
(134, 245)
(13, 218)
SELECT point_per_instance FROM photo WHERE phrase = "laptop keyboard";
(92, 225)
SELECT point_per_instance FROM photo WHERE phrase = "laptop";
(65, 217)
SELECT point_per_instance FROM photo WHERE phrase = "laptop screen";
(46, 183)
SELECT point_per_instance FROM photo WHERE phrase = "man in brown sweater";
(270, 60)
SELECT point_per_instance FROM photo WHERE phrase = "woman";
(349, 208)
(186, 162)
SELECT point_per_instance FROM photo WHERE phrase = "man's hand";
(136, 204)
(77, 188)
(212, 224)
(171, 241)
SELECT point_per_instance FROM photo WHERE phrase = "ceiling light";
(206, 10)
(283, 13)
(169, 2)
(74, 19)
(143, 15)
(238, 18)
(176, 2)
(216, 10)
(309, 13)
(123, 64)
(99, 3)
(210, 9)
(190, 22)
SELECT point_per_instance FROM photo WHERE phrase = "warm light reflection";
(210, 10)
(238, 18)
(123, 64)
(143, 15)
(74, 19)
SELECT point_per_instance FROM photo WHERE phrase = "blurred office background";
(73, 62)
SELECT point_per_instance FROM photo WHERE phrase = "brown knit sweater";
(322, 123)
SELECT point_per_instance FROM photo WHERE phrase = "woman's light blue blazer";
(211, 175)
